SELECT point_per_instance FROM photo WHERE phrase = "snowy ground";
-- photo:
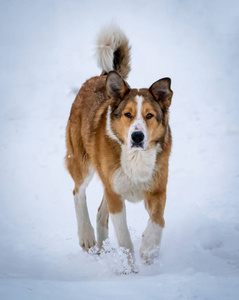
(46, 52)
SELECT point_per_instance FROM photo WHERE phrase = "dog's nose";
(137, 137)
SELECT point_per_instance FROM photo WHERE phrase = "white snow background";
(47, 52)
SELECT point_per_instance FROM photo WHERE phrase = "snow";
(47, 52)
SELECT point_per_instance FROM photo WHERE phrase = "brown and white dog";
(123, 134)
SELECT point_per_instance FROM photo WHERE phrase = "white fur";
(109, 39)
(135, 173)
(151, 241)
(109, 130)
(138, 125)
(129, 189)
(139, 100)
(138, 165)
(102, 223)
(85, 229)
(121, 229)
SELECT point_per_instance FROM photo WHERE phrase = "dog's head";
(137, 118)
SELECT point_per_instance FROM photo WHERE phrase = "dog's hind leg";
(102, 223)
(85, 229)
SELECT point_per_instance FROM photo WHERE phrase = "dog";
(123, 134)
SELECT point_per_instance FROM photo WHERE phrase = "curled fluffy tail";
(113, 51)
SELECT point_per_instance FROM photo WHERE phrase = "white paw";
(150, 242)
(86, 237)
(150, 255)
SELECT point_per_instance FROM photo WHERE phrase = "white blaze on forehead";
(139, 100)
(139, 123)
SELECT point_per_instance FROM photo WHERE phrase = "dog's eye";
(149, 116)
(128, 115)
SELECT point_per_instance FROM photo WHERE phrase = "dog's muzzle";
(137, 139)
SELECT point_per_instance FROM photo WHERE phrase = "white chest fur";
(135, 173)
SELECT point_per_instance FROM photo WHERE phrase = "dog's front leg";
(155, 204)
(121, 229)
(118, 216)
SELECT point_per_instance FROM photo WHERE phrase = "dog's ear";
(161, 90)
(116, 87)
